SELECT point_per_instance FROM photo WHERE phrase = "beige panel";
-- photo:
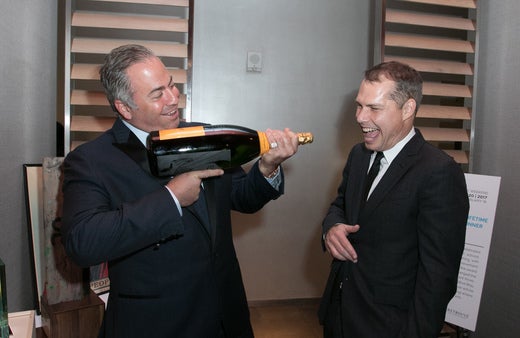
(444, 112)
(91, 123)
(451, 3)
(446, 89)
(127, 21)
(445, 134)
(83, 71)
(86, 98)
(430, 43)
(434, 66)
(179, 3)
(104, 46)
(430, 20)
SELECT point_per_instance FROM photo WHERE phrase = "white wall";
(28, 30)
(314, 54)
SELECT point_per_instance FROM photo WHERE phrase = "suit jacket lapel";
(211, 199)
(127, 142)
(356, 202)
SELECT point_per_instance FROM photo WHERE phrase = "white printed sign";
(483, 196)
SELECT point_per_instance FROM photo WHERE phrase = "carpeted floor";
(295, 319)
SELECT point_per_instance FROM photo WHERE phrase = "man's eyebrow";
(374, 105)
(370, 105)
(161, 88)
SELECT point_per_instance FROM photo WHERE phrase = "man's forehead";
(375, 90)
(148, 73)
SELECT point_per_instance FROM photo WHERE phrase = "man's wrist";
(273, 173)
(268, 170)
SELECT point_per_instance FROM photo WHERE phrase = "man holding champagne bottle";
(172, 265)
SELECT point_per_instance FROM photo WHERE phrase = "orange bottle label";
(168, 134)
(264, 143)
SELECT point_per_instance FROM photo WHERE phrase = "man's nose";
(172, 96)
(361, 114)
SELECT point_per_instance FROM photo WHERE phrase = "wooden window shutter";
(94, 27)
(439, 39)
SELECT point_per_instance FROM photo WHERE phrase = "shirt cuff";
(177, 203)
(276, 179)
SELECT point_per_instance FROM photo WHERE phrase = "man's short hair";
(113, 75)
(408, 81)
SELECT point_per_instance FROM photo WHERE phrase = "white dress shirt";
(388, 156)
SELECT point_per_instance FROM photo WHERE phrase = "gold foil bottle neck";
(304, 138)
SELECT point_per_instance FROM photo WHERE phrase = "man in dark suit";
(172, 265)
(396, 252)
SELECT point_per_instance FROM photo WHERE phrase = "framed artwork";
(33, 186)
(34, 194)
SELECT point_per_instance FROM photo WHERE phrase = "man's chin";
(173, 125)
(370, 143)
(172, 121)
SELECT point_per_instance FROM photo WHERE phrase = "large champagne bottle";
(175, 151)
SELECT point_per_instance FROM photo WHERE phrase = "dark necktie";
(372, 173)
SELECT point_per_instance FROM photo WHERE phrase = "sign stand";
(463, 307)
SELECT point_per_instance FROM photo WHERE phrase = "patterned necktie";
(372, 173)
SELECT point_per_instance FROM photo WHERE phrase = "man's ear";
(409, 109)
(123, 109)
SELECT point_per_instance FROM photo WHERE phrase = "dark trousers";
(332, 325)
(221, 333)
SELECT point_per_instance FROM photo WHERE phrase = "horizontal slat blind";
(427, 42)
(429, 20)
(104, 46)
(445, 134)
(98, 26)
(444, 112)
(434, 66)
(437, 37)
(126, 21)
(446, 89)
(179, 3)
(451, 3)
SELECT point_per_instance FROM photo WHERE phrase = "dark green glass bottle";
(174, 151)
